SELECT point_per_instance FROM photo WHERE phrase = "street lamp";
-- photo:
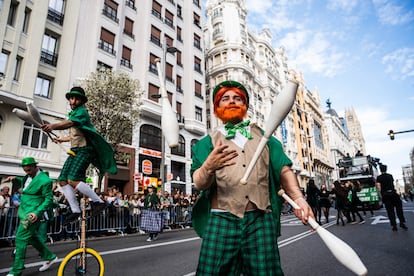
(171, 50)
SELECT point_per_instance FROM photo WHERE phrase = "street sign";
(138, 176)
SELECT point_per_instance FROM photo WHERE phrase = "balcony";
(55, 16)
(48, 58)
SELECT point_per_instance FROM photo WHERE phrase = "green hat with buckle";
(77, 91)
(28, 161)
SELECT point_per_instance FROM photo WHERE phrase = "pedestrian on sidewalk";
(390, 198)
(36, 199)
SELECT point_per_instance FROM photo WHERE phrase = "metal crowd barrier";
(119, 220)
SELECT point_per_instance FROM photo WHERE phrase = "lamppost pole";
(171, 50)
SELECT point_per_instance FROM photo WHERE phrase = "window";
(169, 19)
(153, 90)
(179, 61)
(180, 117)
(179, 36)
(180, 150)
(107, 41)
(150, 137)
(34, 137)
(197, 43)
(196, 19)
(4, 57)
(130, 3)
(153, 66)
(49, 46)
(103, 66)
(155, 36)
(197, 89)
(197, 64)
(11, 19)
(56, 11)
(129, 27)
(198, 114)
(43, 87)
(126, 57)
(57, 5)
(26, 20)
(178, 84)
(17, 68)
(169, 72)
(169, 41)
(1, 117)
(110, 10)
(156, 9)
(179, 11)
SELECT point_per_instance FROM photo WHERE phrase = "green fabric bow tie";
(240, 127)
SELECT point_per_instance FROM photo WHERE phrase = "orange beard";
(231, 113)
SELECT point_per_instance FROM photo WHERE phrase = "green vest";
(201, 209)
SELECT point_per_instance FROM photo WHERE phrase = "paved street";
(383, 251)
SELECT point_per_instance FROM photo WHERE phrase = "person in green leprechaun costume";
(36, 199)
(240, 224)
(87, 146)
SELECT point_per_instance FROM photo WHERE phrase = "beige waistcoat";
(233, 196)
(77, 139)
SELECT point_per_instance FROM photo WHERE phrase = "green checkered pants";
(233, 245)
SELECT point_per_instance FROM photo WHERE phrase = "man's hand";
(305, 210)
(33, 217)
(47, 127)
(219, 158)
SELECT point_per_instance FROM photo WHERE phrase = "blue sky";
(359, 54)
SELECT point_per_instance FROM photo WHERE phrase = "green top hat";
(230, 84)
(77, 91)
(28, 161)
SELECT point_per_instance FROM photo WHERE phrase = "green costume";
(98, 151)
(212, 226)
(36, 198)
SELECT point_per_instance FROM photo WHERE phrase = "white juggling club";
(32, 109)
(169, 122)
(25, 116)
(280, 108)
(342, 251)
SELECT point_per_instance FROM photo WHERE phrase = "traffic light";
(391, 134)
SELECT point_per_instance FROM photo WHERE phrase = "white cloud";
(389, 13)
(400, 63)
(345, 5)
(313, 51)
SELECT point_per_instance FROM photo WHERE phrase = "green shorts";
(75, 166)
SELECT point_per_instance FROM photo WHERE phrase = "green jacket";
(201, 209)
(35, 198)
(104, 160)
(153, 199)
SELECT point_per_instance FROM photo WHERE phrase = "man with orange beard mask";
(240, 223)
